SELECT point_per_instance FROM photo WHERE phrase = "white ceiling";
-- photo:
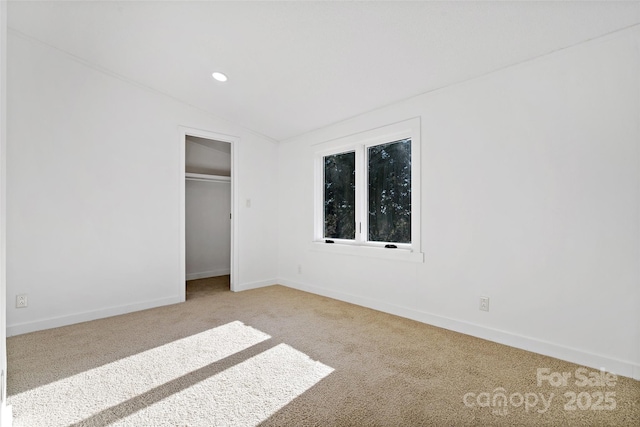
(297, 66)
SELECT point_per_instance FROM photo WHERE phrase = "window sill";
(367, 251)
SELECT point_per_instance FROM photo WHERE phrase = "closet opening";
(208, 248)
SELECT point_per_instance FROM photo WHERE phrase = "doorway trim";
(185, 131)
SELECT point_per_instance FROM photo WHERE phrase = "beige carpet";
(280, 357)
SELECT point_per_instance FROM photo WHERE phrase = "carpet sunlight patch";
(80, 396)
(243, 395)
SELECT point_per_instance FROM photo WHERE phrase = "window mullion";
(361, 195)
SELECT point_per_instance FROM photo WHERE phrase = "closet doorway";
(208, 210)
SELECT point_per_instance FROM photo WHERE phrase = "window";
(367, 190)
(340, 196)
(389, 192)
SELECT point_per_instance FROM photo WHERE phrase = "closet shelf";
(208, 178)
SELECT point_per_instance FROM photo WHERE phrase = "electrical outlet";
(484, 303)
(299, 269)
(21, 301)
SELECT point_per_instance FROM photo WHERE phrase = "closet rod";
(207, 178)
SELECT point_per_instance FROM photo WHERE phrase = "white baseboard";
(6, 415)
(254, 285)
(55, 322)
(212, 273)
(580, 357)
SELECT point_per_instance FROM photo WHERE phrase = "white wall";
(208, 230)
(93, 192)
(530, 180)
(207, 208)
(5, 412)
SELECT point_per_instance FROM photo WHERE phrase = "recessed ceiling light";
(219, 76)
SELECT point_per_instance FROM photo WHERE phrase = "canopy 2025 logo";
(500, 401)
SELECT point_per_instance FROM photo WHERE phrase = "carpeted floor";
(280, 357)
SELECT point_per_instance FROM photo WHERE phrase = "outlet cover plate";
(21, 301)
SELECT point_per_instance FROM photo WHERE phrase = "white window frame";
(359, 143)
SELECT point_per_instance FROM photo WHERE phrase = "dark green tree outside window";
(390, 192)
(340, 196)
